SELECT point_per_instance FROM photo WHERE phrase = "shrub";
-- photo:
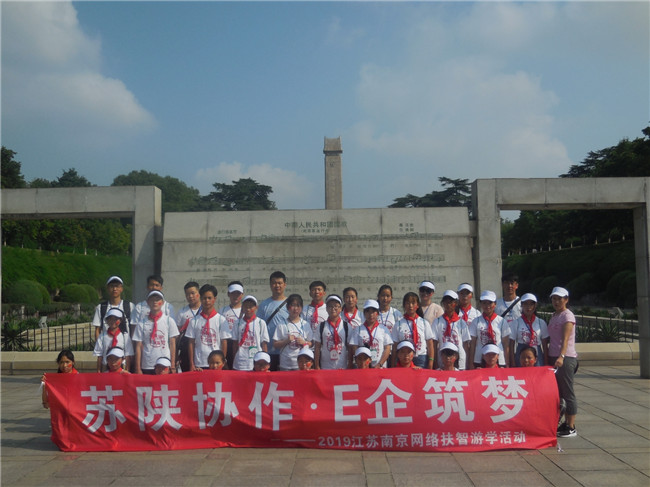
(544, 287)
(628, 290)
(586, 283)
(23, 292)
(73, 293)
(91, 294)
(45, 293)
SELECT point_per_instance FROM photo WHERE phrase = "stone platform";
(612, 448)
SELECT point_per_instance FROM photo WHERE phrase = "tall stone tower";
(333, 174)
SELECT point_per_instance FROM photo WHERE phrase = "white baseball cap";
(236, 287)
(449, 346)
(333, 297)
(114, 278)
(490, 348)
(427, 284)
(114, 312)
(363, 351)
(371, 303)
(164, 361)
(488, 296)
(560, 291)
(155, 293)
(407, 344)
(262, 356)
(306, 351)
(466, 287)
(250, 297)
(528, 297)
(116, 352)
(450, 294)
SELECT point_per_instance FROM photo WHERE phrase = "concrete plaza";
(612, 448)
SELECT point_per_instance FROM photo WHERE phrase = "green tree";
(71, 179)
(246, 194)
(176, 195)
(455, 192)
(12, 176)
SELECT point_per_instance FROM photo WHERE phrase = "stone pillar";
(147, 220)
(642, 252)
(487, 262)
(333, 174)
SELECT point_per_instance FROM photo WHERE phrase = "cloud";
(52, 82)
(468, 114)
(290, 189)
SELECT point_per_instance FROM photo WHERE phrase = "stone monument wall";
(360, 248)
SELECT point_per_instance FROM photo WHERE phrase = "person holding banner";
(448, 357)
(405, 353)
(306, 359)
(563, 356)
(490, 354)
(262, 362)
(293, 335)
(362, 358)
(115, 361)
(373, 336)
(65, 365)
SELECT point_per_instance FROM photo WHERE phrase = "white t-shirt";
(265, 310)
(231, 315)
(185, 315)
(459, 335)
(389, 318)
(104, 344)
(249, 344)
(308, 314)
(155, 347)
(479, 329)
(98, 313)
(513, 314)
(520, 332)
(289, 353)
(332, 356)
(376, 343)
(356, 318)
(472, 314)
(141, 311)
(403, 330)
(207, 340)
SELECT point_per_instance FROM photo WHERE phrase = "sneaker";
(565, 431)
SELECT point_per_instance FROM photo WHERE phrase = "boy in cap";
(232, 312)
(208, 331)
(113, 337)
(315, 313)
(154, 336)
(372, 335)
(448, 357)
(115, 361)
(430, 309)
(451, 328)
(490, 353)
(465, 310)
(250, 336)
(306, 359)
(362, 358)
(405, 353)
(163, 366)
(489, 328)
(154, 283)
(185, 316)
(331, 349)
(114, 289)
(262, 362)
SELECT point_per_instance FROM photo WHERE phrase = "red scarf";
(411, 366)
(246, 330)
(454, 318)
(335, 332)
(466, 311)
(348, 317)
(530, 327)
(314, 317)
(370, 330)
(493, 338)
(155, 319)
(414, 327)
(116, 334)
(206, 326)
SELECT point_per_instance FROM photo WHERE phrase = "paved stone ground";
(612, 449)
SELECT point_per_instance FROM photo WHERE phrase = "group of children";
(331, 332)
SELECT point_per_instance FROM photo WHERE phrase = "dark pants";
(564, 378)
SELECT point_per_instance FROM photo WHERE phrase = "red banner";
(393, 409)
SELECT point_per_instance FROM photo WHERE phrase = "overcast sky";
(212, 92)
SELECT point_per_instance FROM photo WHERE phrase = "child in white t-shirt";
(293, 335)
(250, 336)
